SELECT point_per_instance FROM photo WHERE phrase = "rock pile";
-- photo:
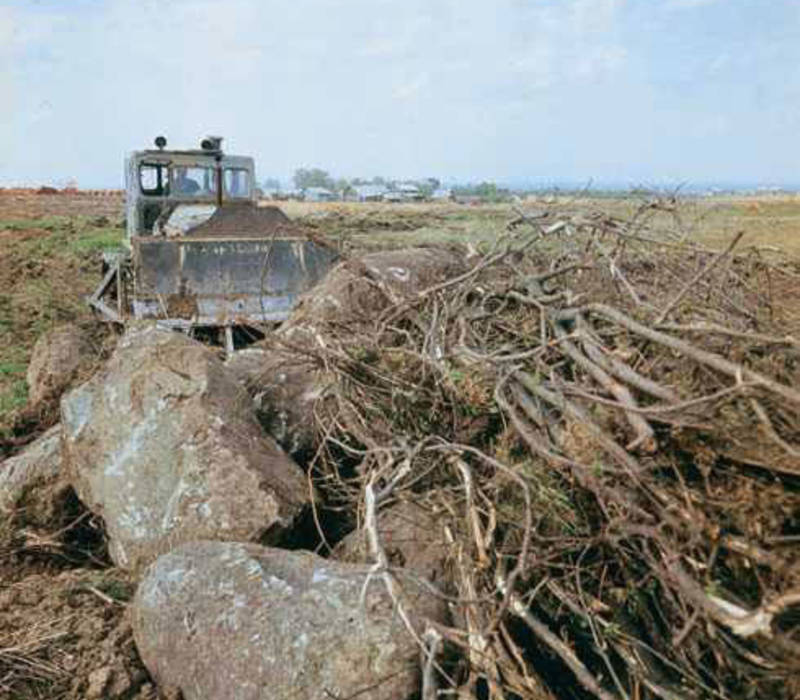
(165, 445)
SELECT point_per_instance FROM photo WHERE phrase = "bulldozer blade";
(224, 280)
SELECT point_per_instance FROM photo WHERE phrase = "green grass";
(95, 240)
(48, 266)
(47, 223)
(13, 387)
(68, 239)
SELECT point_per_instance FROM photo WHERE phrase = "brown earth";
(244, 220)
(67, 635)
(64, 628)
(27, 204)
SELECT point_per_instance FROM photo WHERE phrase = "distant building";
(369, 193)
(442, 195)
(410, 192)
(318, 194)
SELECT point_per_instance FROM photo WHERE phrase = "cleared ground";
(64, 615)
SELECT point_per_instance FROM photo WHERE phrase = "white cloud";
(719, 63)
(383, 46)
(689, 4)
(574, 42)
(368, 86)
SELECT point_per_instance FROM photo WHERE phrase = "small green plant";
(47, 223)
(95, 240)
(456, 376)
(121, 591)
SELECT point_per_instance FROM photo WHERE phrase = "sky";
(614, 91)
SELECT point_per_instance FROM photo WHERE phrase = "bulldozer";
(199, 252)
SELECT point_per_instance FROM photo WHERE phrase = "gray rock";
(363, 286)
(164, 445)
(226, 621)
(58, 358)
(39, 463)
(285, 387)
(247, 366)
(285, 397)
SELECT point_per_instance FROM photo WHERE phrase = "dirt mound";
(64, 632)
(246, 221)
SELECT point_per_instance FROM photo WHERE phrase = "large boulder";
(285, 387)
(226, 621)
(362, 287)
(59, 357)
(38, 464)
(164, 445)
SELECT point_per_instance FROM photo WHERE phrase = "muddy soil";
(65, 635)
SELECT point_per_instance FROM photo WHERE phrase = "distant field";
(51, 245)
(767, 221)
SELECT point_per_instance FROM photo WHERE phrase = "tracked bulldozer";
(199, 252)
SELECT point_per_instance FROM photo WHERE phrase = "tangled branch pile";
(606, 418)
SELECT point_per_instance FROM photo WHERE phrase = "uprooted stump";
(211, 617)
(286, 380)
(164, 445)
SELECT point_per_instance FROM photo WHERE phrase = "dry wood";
(694, 280)
(525, 405)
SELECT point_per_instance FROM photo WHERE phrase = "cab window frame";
(161, 173)
(228, 179)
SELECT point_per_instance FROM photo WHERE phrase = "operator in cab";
(183, 183)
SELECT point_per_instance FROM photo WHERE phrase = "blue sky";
(626, 91)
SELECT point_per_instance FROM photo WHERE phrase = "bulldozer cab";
(158, 181)
(200, 250)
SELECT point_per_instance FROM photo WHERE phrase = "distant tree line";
(305, 178)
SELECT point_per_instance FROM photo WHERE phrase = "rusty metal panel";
(227, 280)
(156, 267)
